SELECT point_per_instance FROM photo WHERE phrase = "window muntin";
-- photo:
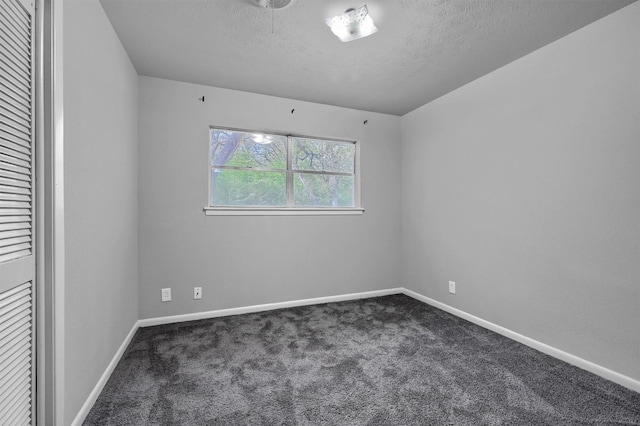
(262, 170)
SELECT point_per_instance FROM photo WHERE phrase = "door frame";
(50, 266)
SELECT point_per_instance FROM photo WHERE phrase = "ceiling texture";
(423, 49)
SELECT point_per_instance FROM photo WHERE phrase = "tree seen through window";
(253, 169)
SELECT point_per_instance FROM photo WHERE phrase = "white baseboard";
(266, 307)
(93, 396)
(589, 366)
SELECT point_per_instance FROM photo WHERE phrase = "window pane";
(323, 156)
(243, 149)
(313, 190)
(248, 188)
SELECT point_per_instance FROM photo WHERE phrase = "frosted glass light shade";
(262, 139)
(353, 24)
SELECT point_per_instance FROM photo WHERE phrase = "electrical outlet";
(452, 287)
(197, 292)
(166, 295)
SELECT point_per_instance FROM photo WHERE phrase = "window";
(264, 173)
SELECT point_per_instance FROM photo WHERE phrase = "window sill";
(257, 211)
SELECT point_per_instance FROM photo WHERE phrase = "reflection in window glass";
(243, 149)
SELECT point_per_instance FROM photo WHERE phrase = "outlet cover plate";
(452, 287)
(166, 294)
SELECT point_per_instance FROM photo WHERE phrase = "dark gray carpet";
(381, 361)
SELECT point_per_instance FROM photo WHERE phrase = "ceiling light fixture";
(274, 4)
(262, 139)
(352, 24)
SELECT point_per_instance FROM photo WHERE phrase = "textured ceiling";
(423, 49)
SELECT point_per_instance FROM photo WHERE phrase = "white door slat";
(22, 415)
(15, 60)
(12, 32)
(14, 204)
(18, 373)
(15, 122)
(13, 182)
(16, 404)
(15, 20)
(7, 96)
(14, 241)
(15, 92)
(16, 111)
(15, 342)
(14, 294)
(13, 161)
(10, 96)
(13, 168)
(15, 212)
(13, 86)
(21, 382)
(18, 367)
(19, 113)
(10, 152)
(20, 141)
(14, 197)
(14, 358)
(16, 408)
(13, 249)
(21, 16)
(13, 175)
(11, 130)
(15, 255)
(15, 145)
(12, 29)
(16, 315)
(14, 301)
(14, 219)
(13, 114)
(14, 190)
(19, 45)
(15, 395)
(8, 128)
(13, 306)
(14, 354)
(16, 74)
(14, 234)
(14, 201)
(13, 226)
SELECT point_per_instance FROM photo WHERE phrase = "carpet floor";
(382, 361)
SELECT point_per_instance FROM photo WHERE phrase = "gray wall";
(101, 206)
(524, 188)
(242, 261)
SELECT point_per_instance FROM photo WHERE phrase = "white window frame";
(290, 209)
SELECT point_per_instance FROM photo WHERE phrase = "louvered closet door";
(17, 260)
